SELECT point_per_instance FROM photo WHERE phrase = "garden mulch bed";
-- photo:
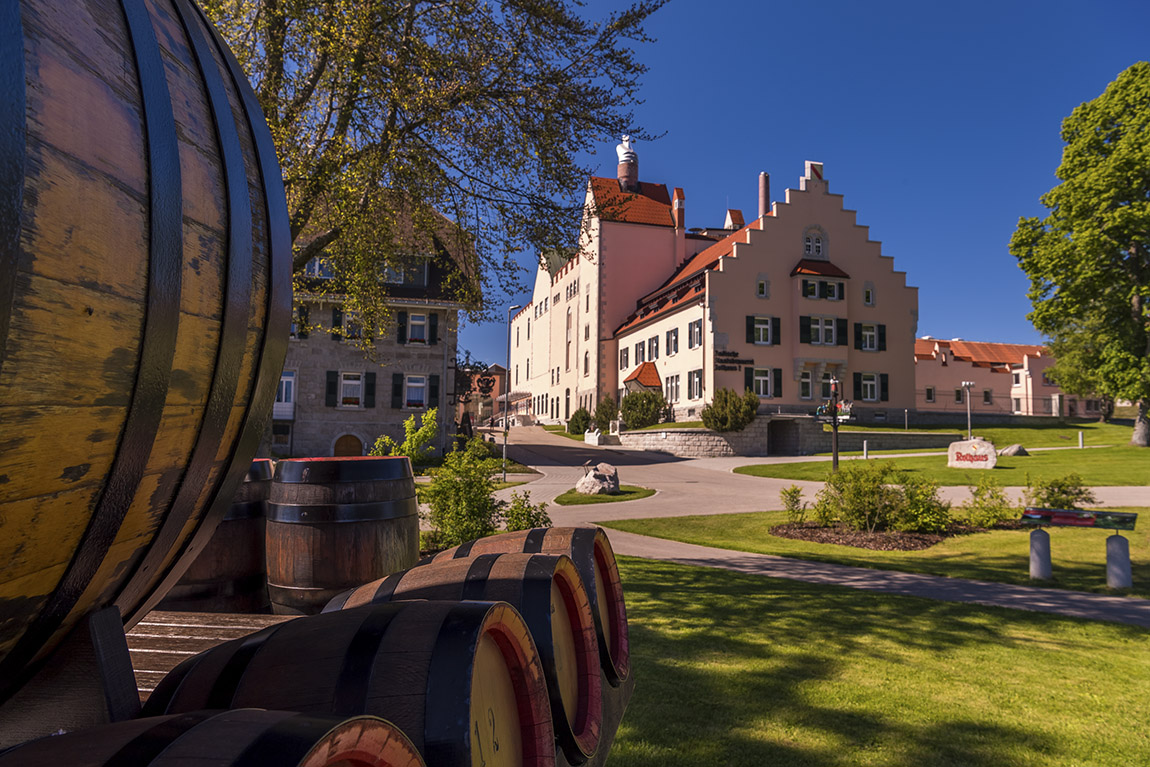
(887, 540)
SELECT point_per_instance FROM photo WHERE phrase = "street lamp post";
(968, 385)
(507, 389)
(835, 397)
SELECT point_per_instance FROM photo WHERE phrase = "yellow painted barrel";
(145, 295)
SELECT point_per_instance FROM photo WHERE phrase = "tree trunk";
(1141, 436)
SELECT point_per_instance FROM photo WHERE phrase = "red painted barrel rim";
(588, 726)
(619, 645)
(533, 702)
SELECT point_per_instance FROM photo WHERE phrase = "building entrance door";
(348, 445)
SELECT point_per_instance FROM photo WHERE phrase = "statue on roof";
(626, 152)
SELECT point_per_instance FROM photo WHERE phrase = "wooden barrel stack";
(230, 574)
(145, 295)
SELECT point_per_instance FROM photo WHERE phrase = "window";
(417, 328)
(319, 267)
(299, 321)
(958, 396)
(653, 348)
(810, 289)
(528, 369)
(587, 308)
(1017, 405)
(823, 331)
(812, 245)
(870, 387)
(805, 385)
(640, 349)
(555, 300)
(351, 389)
(1017, 379)
(1046, 379)
(763, 289)
(987, 398)
(623, 354)
(825, 385)
(281, 435)
(695, 334)
(762, 381)
(869, 338)
(672, 341)
(930, 394)
(586, 363)
(528, 328)
(868, 296)
(835, 291)
(415, 394)
(516, 338)
(762, 330)
(671, 389)
(285, 392)
(695, 384)
(587, 332)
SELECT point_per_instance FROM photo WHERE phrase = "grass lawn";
(1078, 555)
(561, 430)
(1054, 435)
(1101, 467)
(735, 670)
(626, 493)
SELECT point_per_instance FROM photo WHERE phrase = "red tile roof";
(646, 375)
(650, 205)
(818, 268)
(978, 353)
(653, 309)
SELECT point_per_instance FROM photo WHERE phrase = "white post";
(905, 419)
(1040, 555)
(864, 450)
(1118, 574)
(1079, 440)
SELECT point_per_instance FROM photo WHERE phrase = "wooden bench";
(1108, 520)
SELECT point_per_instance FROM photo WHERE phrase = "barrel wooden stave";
(226, 738)
(590, 550)
(424, 666)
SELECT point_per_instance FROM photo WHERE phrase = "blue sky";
(938, 122)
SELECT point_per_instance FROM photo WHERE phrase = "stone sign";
(971, 454)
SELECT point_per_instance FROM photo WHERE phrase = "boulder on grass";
(1015, 449)
(598, 482)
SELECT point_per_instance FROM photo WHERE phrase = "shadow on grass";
(738, 670)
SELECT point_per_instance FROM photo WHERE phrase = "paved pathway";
(707, 486)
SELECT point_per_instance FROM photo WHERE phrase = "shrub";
(793, 503)
(606, 412)
(521, 514)
(921, 510)
(1060, 493)
(642, 408)
(730, 412)
(460, 496)
(987, 505)
(579, 422)
(859, 496)
(415, 441)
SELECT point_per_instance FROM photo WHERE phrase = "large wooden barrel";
(335, 523)
(589, 548)
(145, 295)
(462, 679)
(549, 594)
(230, 574)
(238, 738)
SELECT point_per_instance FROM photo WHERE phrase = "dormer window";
(815, 243)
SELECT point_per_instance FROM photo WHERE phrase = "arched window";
(586, 363)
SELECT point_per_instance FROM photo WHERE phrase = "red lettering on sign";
(970, 457)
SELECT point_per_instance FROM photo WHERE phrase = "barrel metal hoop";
(303, 514)
(226, 685)
(286, 742)
(464, 549)
(244, 510)
(237, 300)
(144, 748)
(353, 687)
(13, 142)
(534, 542)
(445, 711)
(475, 581)
(157, 348)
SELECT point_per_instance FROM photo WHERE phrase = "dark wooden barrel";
(462, 679)
(230, 574)
(589, 548)
(334, 523)
(549, 594)
(238, 738)
(145, 296)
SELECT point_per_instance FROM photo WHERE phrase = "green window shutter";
(749, 378)
(883, 387)
(336, 323)
(750, 329)
(882, 338)
(396, 391)
(822, 289)
(841, 331)
(369, 389)
(433, 391)
(302, 319)
(776, 333)
(433, 328)
(804, 330)
(804, 286)
(777, 382)
(332, 388)
(858, 335)
(401, 328)
(858, 386)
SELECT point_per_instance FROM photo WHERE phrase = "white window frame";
(412, 383)
(351, 388)
(671, 389)
(810, 288)
(762, 289)
(821, 327)
(624, 358)
(762, 331)
(285, 392)
(806, 385)
(640, 352)
(414, 321)
(870, 391)
(870, 338)
(672, 342)
(694, 384)
(653, 348)
(319, 268)
(761, 382)
(868, 296)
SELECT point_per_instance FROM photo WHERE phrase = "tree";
(433, 124)
(642, 408)
(1089, 259)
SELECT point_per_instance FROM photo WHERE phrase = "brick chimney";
(679, 208)
(764, 194)
(628, 166)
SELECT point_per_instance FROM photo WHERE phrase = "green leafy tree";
(422, 125)
(579, 422)
(606, 411)
(642, 408)
(460, 499)
(1068, 492)
(988, 504)
(416, 441)
(730, 412)
(521, 514)
(1089, 259)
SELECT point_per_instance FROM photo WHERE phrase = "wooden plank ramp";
(164, 639)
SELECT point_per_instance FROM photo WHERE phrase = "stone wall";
(701, 443)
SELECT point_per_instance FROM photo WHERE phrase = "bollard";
(1079, 440)
(1039, 555)
(864, 450)
(1118, 574)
